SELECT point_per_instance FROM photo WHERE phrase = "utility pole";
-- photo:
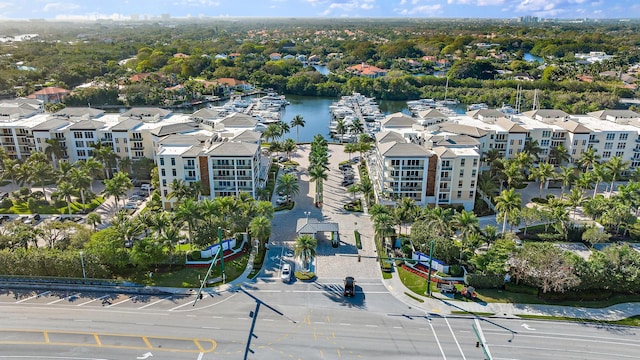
(432, 243)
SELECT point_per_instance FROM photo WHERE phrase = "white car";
(285, 273)
(131, 205)
(282, 200)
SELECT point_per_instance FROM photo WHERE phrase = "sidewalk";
(442, 305)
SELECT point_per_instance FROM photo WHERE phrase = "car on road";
(282, 200)
(4, 218)
(131, 205)
(345, 167)
(285, 273)
(347, 182)
(146, 187)
(349, 286)
(32, 219)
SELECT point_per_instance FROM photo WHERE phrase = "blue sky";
(123, 9)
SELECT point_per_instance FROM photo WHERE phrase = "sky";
(124, 9)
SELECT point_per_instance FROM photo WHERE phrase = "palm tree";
(125, 165)
(585, 181)
(260, 228)
(318, 174)
(341, 128)
(106, 156)
(350, 148)
(179, 190)
(54, 151)
(81, 180)
(616, 165)
(440, 220)
(271, 132)
(353, 189)
(524, 161)
(117, 186)
(65, 190)
(288, 185)
(383, 227)
(366, 188)
(357, 127)
(507, 202)
(189, 212)
(533, 148)
(40, 172)
(93, 167)
(559, 155)
(588, 159)
(305, 249)
(490, 158)
(487, 184)
(542, 173)
(566, 177)
(94, 219)
(297, 122)
(490, 234)
(64, 171)
(575, 199)
(600, 173)
(404, 212)
(512, 173)
(289, 146)
(283, 128)
(11, 169)
(466, 223)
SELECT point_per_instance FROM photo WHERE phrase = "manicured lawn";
(415, 283)
(188, 277)
(494, 295)
(632, 321)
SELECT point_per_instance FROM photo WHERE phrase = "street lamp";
(307, 213)
(221, 252)
(84, 274)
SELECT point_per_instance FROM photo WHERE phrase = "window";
(459, 183)
(173, 161)
(475, 162)
(118, 149)
(619, 153)
(162, 161)
(88, 134)
(165, 193)
(544, 142)
(510, 143)
(546, 134)
(125, 141)
(79, 144)
(444, 175)
(174, 172)
(611, 136)
(461, 173)
(575, 142)
(82, 153)
(126, 149)
(77, 134)
(163, 172)
(459, 194)
(117, 140)
(462, 162)
(573, 152)
(471, 194)
(608, 146)
(473, 184)
(164, 182)
(606, 154)
(473, 173)
(622, 146)
(624, 136)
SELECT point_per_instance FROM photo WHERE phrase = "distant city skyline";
(141, 9)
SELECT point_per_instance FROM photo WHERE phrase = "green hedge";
(356, 234)
(480, 281)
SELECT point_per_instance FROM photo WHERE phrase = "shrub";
(195, 255)
(480, 281)
(356, 235)
(6, 203)
(455, 270)
(304, 276)
(540, 201)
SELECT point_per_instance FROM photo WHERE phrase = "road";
(318, 323)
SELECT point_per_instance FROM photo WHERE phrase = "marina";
(353, 115)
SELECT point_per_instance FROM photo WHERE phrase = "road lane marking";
(90, 301)
(444, 357)
(200, 356)
(155, 302)
(146, 341)
(455, 338)
(65, 298)
(33, 297)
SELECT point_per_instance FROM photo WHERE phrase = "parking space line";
(179, 306)
(33, 297)
(90, 301)
(155, 302)
(62, 299)
(120, 302)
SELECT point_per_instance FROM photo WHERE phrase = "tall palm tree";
(305, 249)
(283, 128)
(106, 156)
(467, 223)
(512, 173)
(64, 171)
(588, 159)
(40, 173)
(507, 202)
(289, 146)
(600, 173)
(541, 174)
(404, 212)
(189, 212)
(288, 185)
(366, 188)
(271, 132)
(490, 157)
(93, 167)
(11, 169)
(350, 148)
(616, 165)
(341, 128)
(559, 155)
(566, 177)
(357, 127)
(383, 227)
(65, 190)
(585, 181)
(54, 151)
(117, 186)
(125, 164)
(524, 161)
(532, 147)
(260, 228)
(318, 174)
(297, 122)
(179, 190)
(575, 199)
(81, 180)
(440, 220)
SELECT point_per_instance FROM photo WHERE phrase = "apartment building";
(226, 164)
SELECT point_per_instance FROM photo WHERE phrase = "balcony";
(594, 141)
(636, 150)
(189, 167)
(190, 178)
(501, 140)
(448, 167)
(137, 148)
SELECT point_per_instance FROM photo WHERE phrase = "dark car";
(347, 183)
(345, 167)
(349, 286)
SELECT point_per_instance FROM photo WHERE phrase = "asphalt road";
(316, 323)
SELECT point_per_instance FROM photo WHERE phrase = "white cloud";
(196, 3)
(346, 6)
(60, 7)
(422, 10)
